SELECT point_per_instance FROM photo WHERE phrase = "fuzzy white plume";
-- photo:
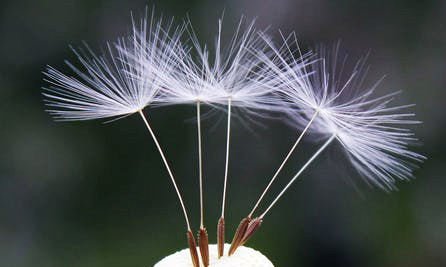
(369, 129)
(231, 72)
(122, 81)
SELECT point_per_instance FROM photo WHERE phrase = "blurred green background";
(94, 194)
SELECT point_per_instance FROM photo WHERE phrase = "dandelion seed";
(231, 77)
(120, 83)
(370, 130)
(228, 80)
(321, 101)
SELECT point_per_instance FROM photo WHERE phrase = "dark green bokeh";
(94, 194)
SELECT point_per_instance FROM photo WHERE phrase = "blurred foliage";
(94, 194)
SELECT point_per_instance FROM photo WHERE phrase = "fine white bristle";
(243, 257)
(230, 72)
(122, 81)
(368, 128)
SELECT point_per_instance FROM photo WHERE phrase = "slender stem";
(228, 137)
(167, 167)
(283, 163)
(200, 166)
(315, 155)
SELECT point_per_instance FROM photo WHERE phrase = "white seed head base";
(243, 257)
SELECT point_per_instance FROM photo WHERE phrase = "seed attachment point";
(220, 237)
(192, 248)
(239, 234)
(252, 228)
(203, 244)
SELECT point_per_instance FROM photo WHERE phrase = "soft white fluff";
(230, 72)
(369, 129)
(122, 81)
(243, 257)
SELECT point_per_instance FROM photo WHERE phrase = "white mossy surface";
(243, 257)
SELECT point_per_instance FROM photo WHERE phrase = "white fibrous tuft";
(122, 81)
(243, 257)
(369, 128)
(223, 72)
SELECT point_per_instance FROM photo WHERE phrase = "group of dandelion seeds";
(162, 63)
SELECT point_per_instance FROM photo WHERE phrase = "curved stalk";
(190, 237)
(228, 138)
(315, 155)
(167, 167)
(282, 164)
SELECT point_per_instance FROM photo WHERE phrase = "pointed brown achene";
(203, 244)
(193, 248)
(220, 237)
(252, 228)
(239, 234)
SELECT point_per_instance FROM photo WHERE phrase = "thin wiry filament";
(315, 155)
(200, 165)
(228, 138)
(167, 167)
(221, 221)
(293, 148)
